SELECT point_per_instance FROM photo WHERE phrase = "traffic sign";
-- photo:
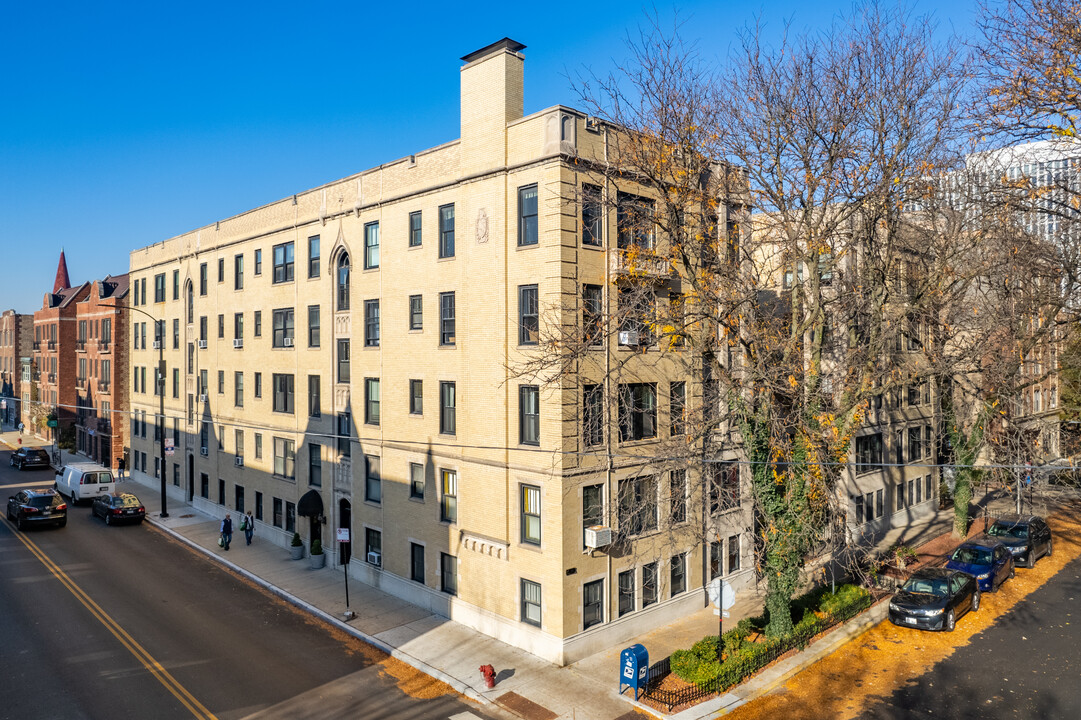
(721, 594)
(169, 449)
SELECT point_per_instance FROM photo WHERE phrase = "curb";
(455, 684)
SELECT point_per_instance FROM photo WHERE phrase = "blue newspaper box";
(633, 668)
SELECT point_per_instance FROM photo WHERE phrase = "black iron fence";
(745, 662)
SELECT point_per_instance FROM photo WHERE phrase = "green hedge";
(699, 665)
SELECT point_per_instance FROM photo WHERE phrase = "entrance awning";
(310, 505)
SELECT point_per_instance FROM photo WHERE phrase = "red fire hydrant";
(489, 675)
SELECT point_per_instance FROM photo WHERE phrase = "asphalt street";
(1026, 665)
(123, 622)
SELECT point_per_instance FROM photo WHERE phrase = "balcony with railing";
(103, 386)
(52, 345)
(80, 345)
(103, 345)
(37, 344)
(51, 378)
(638, 261)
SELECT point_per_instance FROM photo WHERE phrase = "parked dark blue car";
(986, 559)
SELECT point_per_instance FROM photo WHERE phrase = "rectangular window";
(915, 444)
(221, 382)
(637, 505)
(283, 328)
(159, 289)
(446, 231)
(447, 408)
(527, 215)
(238, 442)
(202, 329)
(446, 318)
(176, 382)
(238, 272)
(313, 257)
(371, 401)
(529, 415)
(343, 361)
(279, 515)
(221, 325)
(258, 330)
(416, 397)
(593, 314)
(677, 495)
(258, 446)
(448, 573)
(221, 270)
(258, 384)
(724, 490)
(258, 505)
(678, 402)
(637, 411)
(313, 326)
(592, 604)
(868, 453)
(716, 559)
(290, 517)
(371, 323)
(448, 496)
(879, 503)
(414, 229)
(238, 494)
(531, 515)
(592, 507)
(900, 496)
(927, 488)
(416, 312)
(373, 483)
(238, 326)
(345, 434)
(416, 562)
(592, 216)
(593, 415)
(371, 246)
(733, 553)
(176, 284)
(528, 317)
(416, 481)
(634, 220)
(258, 269)
(649, 584)
(531, 602)
(626, 592)
(202, 279)
(283, 393)
(679, 574)
(314, 406)
(283, 263)
(284, 458)
(204, 486)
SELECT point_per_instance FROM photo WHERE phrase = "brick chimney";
(492, 96)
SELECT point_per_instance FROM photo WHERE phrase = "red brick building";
(101, 362)
(16, 334)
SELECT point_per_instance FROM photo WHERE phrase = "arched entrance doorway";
(345, 520)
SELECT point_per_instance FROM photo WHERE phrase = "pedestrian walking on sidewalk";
(120, 467)
(247, 524)
(226, 531)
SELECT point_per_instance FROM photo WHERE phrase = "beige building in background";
(345, 358)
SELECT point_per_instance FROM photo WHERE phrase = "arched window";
(343, 282)
(191, 303)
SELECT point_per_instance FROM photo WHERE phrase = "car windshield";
(972, 555)
(928, 586)
(1004, 530)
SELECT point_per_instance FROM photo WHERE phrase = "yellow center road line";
(145, 658)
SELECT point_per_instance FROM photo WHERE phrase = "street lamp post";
(160, 424)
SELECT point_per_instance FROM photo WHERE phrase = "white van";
(85, 481)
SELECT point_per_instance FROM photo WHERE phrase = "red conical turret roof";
(62, 281)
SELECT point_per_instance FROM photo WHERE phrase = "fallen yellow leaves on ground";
(875, 664)
(413, 682)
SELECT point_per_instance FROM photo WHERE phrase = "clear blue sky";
(124, 124)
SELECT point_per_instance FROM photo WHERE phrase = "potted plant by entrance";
(317, 557)
(296, 548)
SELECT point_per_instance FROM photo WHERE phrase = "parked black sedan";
(118, 507)
(29, 457)
(37, 507)
(1027, 537)
(933, 599)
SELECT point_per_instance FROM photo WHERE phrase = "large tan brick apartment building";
(345, 358)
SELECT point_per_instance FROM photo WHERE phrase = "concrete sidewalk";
(526, 685)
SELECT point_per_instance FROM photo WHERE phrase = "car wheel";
(975, 601)
(951, 621)
(1049, 548)
(20, 524)
(1013, 573)
(62, 523)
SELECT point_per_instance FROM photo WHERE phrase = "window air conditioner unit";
(202, 398)
(598, 536)
(628, 337)
(238, 343)
(202, 344)
(375, 558)
(287, 342)
(157, 345)
(238, 461)
(204, 451)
